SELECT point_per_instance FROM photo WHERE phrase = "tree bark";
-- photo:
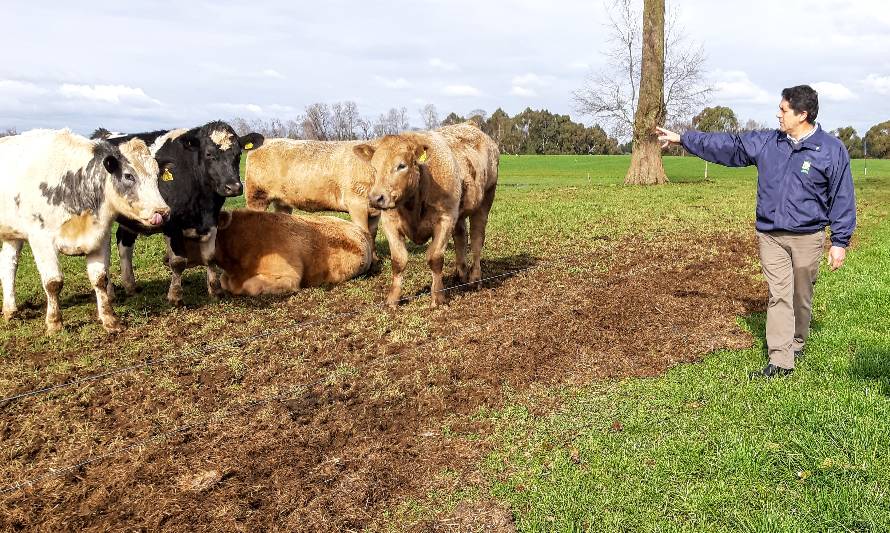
(646, 167)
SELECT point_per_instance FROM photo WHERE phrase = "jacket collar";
(813, 141)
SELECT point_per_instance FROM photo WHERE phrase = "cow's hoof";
(130, 291)
(54, 327)
(9, 314)
(392, 303)
(175, 302)
(461, 275)
(437, 300)
(113, 326)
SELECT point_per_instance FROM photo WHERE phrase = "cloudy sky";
(133, 66)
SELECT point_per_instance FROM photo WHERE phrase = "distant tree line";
(540, 132)
(529, 132)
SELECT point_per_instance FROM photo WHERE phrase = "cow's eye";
(401, 166)
(129, 177)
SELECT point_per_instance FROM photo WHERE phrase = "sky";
(137, 66)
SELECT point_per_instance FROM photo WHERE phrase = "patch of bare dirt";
(362, 418)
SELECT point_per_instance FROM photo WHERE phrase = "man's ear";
(364, 152)
(225, 219)
(251, 141)
(189, 141)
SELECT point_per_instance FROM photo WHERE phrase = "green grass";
(704, 449)
(701, 448)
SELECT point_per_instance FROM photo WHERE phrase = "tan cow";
(276, 253)
(427, 184)
(311, 176)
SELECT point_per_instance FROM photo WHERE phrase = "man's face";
(789, 120)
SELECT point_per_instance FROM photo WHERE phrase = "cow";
(311, 176)
(278, 253)
(62, 192)
(201, 171)
(426, 185)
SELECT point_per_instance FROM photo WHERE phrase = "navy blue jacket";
(800, 189)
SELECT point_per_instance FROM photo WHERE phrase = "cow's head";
(131, 178)
(218, 151)
(396, 161)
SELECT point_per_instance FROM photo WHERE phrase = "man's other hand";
(836, 256)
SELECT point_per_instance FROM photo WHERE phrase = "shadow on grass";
(872, 362)
(495, 272)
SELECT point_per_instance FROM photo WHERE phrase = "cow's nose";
(233, 189)
(165, 213)
(377, 200)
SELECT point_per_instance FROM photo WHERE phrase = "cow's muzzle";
(231, 189)
(380, 201)
(158, 217)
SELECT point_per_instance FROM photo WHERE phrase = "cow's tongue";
(156, 219)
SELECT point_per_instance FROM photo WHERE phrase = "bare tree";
(429, 117)
(345, 120)
(365, 129)
(392, 122)
(9, 131)
(646, 167)
(317, 123)
(612, 94)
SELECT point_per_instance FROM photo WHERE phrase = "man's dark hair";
(803, 98)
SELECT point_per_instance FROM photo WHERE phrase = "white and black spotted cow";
(200, 169)
(61, 193)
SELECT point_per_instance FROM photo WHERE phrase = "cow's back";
(478, 157)
(307, 175)
(33, 166)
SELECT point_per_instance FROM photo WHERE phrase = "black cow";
(199, 169)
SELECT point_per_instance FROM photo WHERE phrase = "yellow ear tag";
(248, 146)
(422, 158)
(167, 175)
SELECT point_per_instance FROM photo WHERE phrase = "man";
(803, 185)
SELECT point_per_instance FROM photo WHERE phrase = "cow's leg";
(360, 215)
(256, 198)
(97, 271)
(435, 258)
(214, 288)
(278, 207)
(373, 222)
(126, 241)
(399, 255)
(51, 276)
(177, 266)
(478, 221)
(460, 249)
(9, 263)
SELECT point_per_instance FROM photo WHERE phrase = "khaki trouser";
(791, 265)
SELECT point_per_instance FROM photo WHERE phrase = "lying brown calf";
(275, 253)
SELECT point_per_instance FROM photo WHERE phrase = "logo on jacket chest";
(805, 168)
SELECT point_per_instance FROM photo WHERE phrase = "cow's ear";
(251, 141)
(421, 153)
(112, 164)
(364, 152)
(225, 219)
(189, 141)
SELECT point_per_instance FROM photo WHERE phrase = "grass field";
(697, 448)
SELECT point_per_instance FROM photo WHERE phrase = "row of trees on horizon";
(528, 132)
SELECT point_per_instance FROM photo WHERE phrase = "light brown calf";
(427, 184)
(311, 176)
(275, 253)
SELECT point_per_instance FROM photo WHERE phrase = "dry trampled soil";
(330, 427)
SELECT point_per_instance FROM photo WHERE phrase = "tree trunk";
(646, 167)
